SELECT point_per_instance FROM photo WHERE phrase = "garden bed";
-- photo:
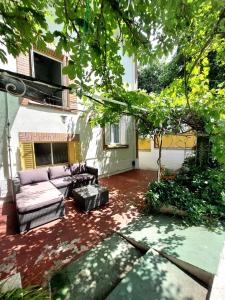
(197, 194)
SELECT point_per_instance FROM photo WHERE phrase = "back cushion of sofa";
(33, 176)
(59, 171)
(83, 167)
(75, 168)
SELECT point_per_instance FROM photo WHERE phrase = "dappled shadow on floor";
(96, 272)
(43, 250)
(160, 232)
(154, 277)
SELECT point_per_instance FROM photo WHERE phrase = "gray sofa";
(40, 193)
(65, 178)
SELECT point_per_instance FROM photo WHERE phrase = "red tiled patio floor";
(41, 251)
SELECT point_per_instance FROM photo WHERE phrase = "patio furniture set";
(40, 193)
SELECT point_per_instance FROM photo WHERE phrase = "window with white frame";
(49, 70)
(50, 153)
(116, 134)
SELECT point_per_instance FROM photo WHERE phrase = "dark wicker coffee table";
(90, 196)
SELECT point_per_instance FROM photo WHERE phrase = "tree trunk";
(159, 137)
(203, 150)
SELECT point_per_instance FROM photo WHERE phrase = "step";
(10, 283)
(97, 272)
(154, 277)
(195, 247)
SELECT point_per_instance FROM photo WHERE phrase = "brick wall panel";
(23, 66)
(72, 101)
(47, 137)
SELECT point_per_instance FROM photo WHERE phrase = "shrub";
(201, 193)
(165, 193)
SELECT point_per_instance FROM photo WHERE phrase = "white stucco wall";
(9, 107)
(171, 158)
(130, 73)
(11, 62)
(33, 118)
(42, 119)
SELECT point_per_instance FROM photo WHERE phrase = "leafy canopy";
(93, 31)
(97, 32)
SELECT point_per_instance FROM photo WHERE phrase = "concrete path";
(97, 272)
(117, 269)
(154, 277)
(196, 245)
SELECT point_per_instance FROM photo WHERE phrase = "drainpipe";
(9, 146)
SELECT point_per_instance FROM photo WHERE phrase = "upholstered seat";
(40, 193)
(61, 182)
(37, 196)
(38, 201)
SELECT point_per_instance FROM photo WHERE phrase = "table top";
(89, 190)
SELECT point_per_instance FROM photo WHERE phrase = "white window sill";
(115, 146)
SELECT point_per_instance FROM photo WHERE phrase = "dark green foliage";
(199, 192)
(217, 71)
(156, 76)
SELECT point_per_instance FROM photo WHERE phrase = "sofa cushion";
(75, 168)
(33, 200)
(61, 182)
(37, 187)
(83, 167)
(59, 171)
(33, 176)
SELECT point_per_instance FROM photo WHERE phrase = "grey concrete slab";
(195, 245)
(154, 277)
(11, 282)
(97, 272)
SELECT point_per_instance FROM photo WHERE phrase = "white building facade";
(36, 134)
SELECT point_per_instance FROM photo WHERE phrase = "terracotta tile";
(41, 251)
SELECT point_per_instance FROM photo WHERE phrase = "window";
(37, 154)
(114, 134)
(50, 153)
(43, 154)
(60, 153)
(50, 71)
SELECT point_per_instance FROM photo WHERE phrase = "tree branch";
(129, 23)
(186, 83)
(70, 20)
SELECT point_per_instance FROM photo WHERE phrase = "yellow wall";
(179, 141)
(144, 144)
